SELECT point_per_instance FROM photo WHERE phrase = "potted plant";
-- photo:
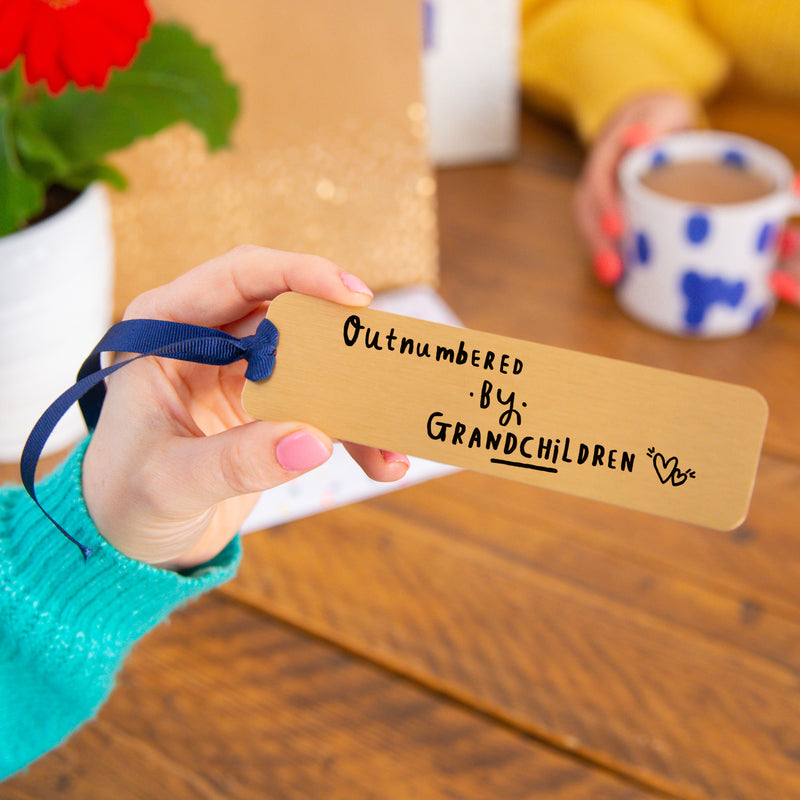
(79, 80)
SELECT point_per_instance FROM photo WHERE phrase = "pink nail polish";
(394, 458)
(301, 451)
(355, 284)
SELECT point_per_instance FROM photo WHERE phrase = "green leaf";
(12, 86)
(21, 195)
(80, 179)
(38, 153)
(173, 79)
(185, 80)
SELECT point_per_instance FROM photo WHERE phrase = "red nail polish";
(637, 134)
(612, 225)
(608, 267)
(789, 242)
(785, 286)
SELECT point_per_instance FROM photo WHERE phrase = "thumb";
(249, 458)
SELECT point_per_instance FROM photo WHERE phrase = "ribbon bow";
(147, 337)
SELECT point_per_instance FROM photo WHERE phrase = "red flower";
(71, 40)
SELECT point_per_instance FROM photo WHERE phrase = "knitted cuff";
(85, 614)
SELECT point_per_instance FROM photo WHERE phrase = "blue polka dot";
(766, 237)
(703, 292)
(698, 227)
(659, 159)
(734, 158)
(643, 249)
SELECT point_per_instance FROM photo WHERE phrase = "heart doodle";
(679, 477)
(665, 468)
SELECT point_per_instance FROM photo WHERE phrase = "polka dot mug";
(696, 269)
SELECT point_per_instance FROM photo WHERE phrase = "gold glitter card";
(329, 153)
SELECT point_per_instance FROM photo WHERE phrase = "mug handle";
(784, 284)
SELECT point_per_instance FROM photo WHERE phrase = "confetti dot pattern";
(702, 270)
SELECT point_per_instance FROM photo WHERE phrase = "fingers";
(789, 245)
(246, 459)
(238, 283)
(785, 281)
(380, 465)
(258, 456)
(598, 207)
(786, 286)
(598, 210)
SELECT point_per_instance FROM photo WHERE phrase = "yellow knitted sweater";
(582, 58)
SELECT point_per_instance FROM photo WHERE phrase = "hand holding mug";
(598, 204)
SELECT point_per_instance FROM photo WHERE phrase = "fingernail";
(355, 284)
(300, 451)
(789, 242)
(637, 134)
(394, 458)
(785, 286)
(608, 267)
(612, 225)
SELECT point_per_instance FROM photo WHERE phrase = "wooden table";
(475, 638)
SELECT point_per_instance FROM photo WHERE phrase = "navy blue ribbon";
(146, 337)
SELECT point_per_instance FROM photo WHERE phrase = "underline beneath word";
(523, 465)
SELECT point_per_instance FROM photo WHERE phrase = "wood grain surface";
(477, 638)
(261, 710)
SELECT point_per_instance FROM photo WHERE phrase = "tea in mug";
(708, 182)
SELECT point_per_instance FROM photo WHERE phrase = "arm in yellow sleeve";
(582, 59)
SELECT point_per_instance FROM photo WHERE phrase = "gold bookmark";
(644, 438)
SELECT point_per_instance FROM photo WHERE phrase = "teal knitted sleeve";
(66, 625)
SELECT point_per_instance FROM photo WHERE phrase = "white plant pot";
(56, 302)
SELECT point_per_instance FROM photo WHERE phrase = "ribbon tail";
(41, 433)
